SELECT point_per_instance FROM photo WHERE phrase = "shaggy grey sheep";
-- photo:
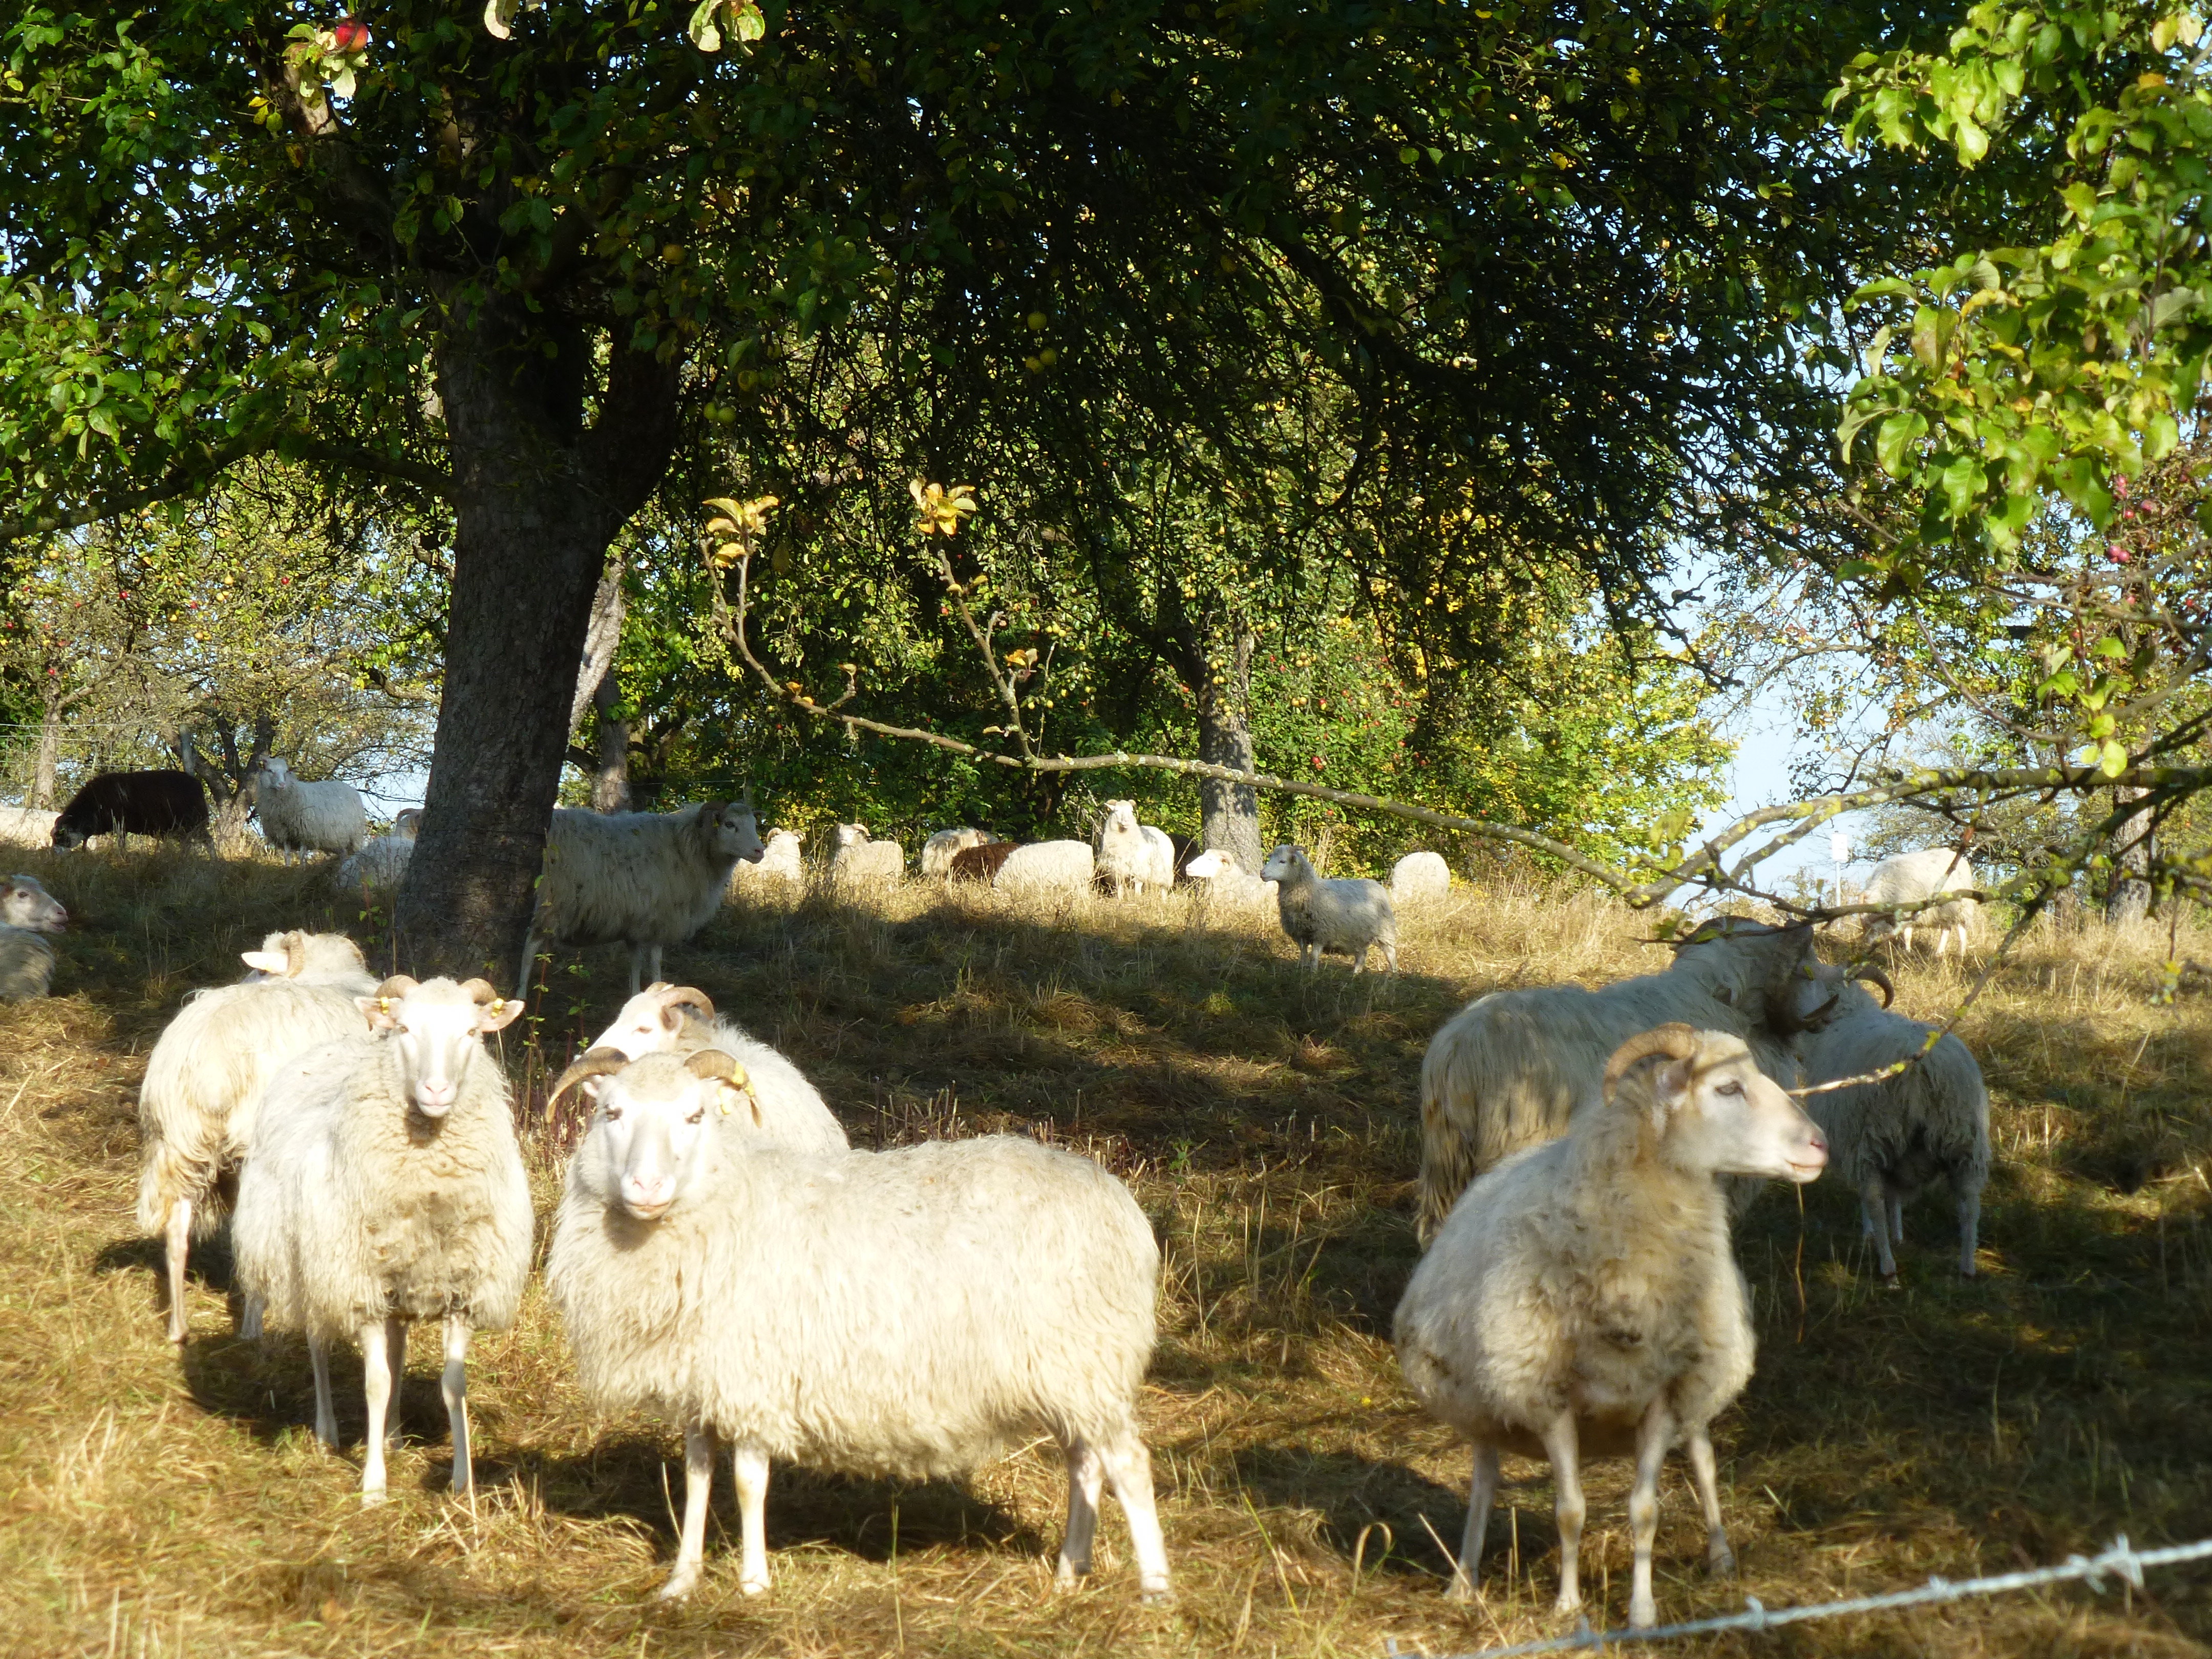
(914, 1313)
(1893, 1138)
(1508, 1070)
(643, 879)
(201, 1092)
(780, 866)
(858, 856)
(1585, 1302)
(1350, 915)
(385, 1184)
(27, 826)
(1909, 878)
(27, 961)
(308, 818)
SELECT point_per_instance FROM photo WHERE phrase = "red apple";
(351, 34)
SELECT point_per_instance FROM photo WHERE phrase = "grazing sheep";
(383, 1184)
(1508, 1069)
(643, 879)
(1041, 868)
(27, 826)
(1584, 1301)
(937, 852)
(202, 1093)
(916, 1312)
(858, 856)
(1912, 878)
(1131, 855)
(308, 817)
(1350, 915)
(679, 1020)
(1893, 1138)
(1220, 880)
(126, 804)
(780, 865)
(1419, 876)
(980, 863)
(27, 961)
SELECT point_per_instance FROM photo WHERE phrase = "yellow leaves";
(736, 527)
(939, 510)
(1025, 658)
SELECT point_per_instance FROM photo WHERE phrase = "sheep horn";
(673, 997)
(1874, 976)
(593, 1062)
(400, 985)
(296, 954)
(1675, 1040)
(480, 992)
(713, 1062)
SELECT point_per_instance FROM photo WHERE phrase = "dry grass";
(153, 1503)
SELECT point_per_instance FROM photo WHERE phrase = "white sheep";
(1352, 915)
(1910, 879)
(780, 866)
(27, 826)
(1508, 1070)
(1585, 1302)
(679, 1020)
(855, 856)
(1893, 1138)
(911, 1313)
(1040, 869)
(27, 961)
(1131, 855)
(379, 865)
(308, 818)
(1419, 878)
(1220, 880)
(385, 1184)
(643, 879)
(937, 852)
(202, 1091)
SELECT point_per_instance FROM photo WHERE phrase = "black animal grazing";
(134, 803)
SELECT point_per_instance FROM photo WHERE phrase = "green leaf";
(2080, 199)
(1962, 485)
(1932, 326)
(1895, 436)
(704, 35)
(2112, 757)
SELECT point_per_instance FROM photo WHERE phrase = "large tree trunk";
(50, 754)
(538, 497)
(610, 781)
(1229, 813)
(2129, 897)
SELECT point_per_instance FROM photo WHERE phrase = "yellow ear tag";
(722, 1097)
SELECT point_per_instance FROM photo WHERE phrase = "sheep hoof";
(753, 1586)
(1642, 1612)
(678, 1587)
(1461, 1588)
(1720, 1561)
(1157, 1595)
(371, 1496)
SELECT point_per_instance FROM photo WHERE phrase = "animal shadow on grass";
(207, 1266)
(1356, 1496)
(640, 1477)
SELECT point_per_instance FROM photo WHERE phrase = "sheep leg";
(454, 1385)
(1562, 1446)
(1390, 956)
(1086, 1480)
(1481, 1495)
(529, 962)
(180, 1242)
(1896, 1217)
(1874, 1208)
(749, 1469)
(1720, 1559)
(1129, 1467)
(376, 1387)
(1313, 958)
(1970, 1224)
(699, 1449)
(326, 1416)
(1653, 1436)
(395, 1350)
(249, 1318)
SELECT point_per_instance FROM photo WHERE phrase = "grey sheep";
(1585, 1302)
(308, 818)
(385, 1184)
(1350, 915)
(27, 961)
(912, 1312)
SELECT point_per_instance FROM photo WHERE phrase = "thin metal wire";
(2120, 1561)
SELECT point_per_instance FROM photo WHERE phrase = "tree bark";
(538, 498)
(610, 781)
(2129, 897)
(50, 754)
(1229, 813)
(602, 639)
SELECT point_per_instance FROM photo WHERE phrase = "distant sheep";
(308, 817)
(385, 1184)
(643, 879)
(937, 852)
(980, 863)
(379, 865)
(1911, 877)
(27, 826)
(1352, 915)
(912, 1313)
(1893, 1138)
(780, 865)
(126, 804)
(1419, 878)
(201, 1092)
(1584, 1301)
(855, 856)
(1039, 868)
(27, 961)
(1220, 880)
(1132, 856)
(679, 1020)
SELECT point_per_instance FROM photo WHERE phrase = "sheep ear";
(264, 961)
(498, 1014)
(377, 1009)
(1725, 995)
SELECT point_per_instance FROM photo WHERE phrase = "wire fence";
(2121, 1561)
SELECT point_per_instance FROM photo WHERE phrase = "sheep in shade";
(300, 817)
(125, 804)
(938, 850)
(27, 961)
(1350, 915)
(855, 856)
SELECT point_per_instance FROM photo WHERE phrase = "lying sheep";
(1043, 869)
(308, 818)
(1584, 1301)
(1508, 1070)
(27, 826)
(378, 866)
(1350, 915)
(201, 1092)
(981, 863)
(679, 1020)
(912, 1312)
(1893, 1138)
(27, 961)
(1131, 856)
(643, 879)
(1419, 876)
(858, 856)
(1220, 880)
(385, 1184)
(1908, 878)
(780, 866)
(937, 852)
